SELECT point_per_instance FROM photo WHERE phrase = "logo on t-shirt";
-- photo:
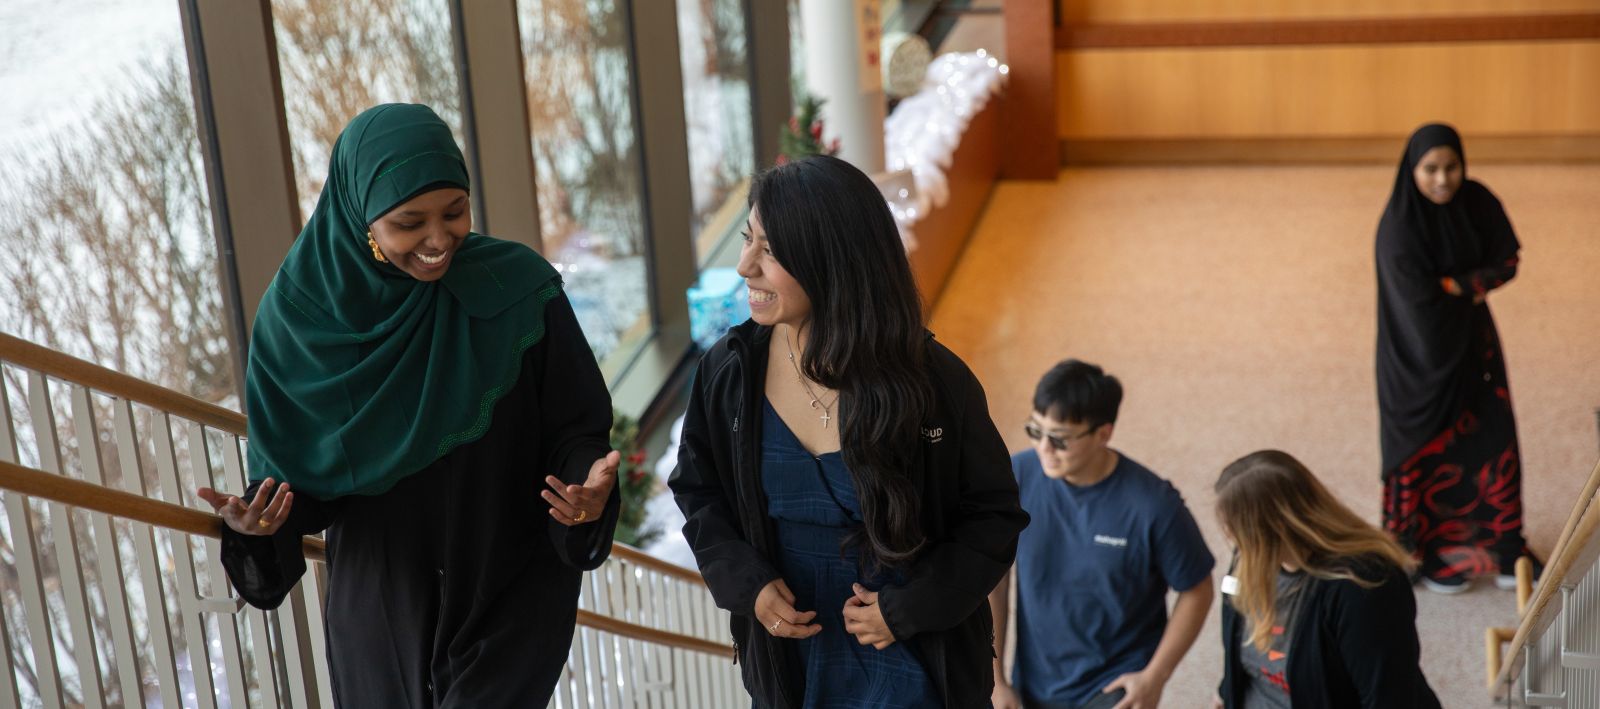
(1110, 541)
(933, 435)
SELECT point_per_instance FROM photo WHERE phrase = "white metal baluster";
(629, 611)
(720, 667)
(255, 619)
(64, 533)
(223, 608)
(588, 660)
(615, 646)
(110, 556)
(643, 656)
(27, 568)
(662, 655)
(144, 548)
(693, 662)
(188, 592)
(706, 668)
(577, 662)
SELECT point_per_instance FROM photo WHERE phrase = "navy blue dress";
(812, 501)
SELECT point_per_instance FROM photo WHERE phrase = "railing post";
(144, 548)
(1540, 699)
(219, 604)
(110, 554)
(64, 537)
(188, 592)
(26, 558)
(255, 620)
(1573, 659)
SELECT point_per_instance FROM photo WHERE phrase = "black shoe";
(1447, 585)
(1507, 579)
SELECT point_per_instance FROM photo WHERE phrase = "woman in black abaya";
(1451, 465)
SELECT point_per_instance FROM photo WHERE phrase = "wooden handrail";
(1581, 528)
(68, 491)
(97, 498)
(651, 635)
(106, 381)
(1590, 488)
(635, 556)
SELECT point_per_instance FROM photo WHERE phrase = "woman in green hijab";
(415, 385)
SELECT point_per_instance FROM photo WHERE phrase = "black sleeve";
(575, 426)
(1426, 319)
(954, 576)
(734, 570)
(1377, 641)
(1502, 248)
(264, 569)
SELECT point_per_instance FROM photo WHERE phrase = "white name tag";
(1110, 541)
(1230, 585)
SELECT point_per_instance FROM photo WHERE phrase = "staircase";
(112, 592)
(1554, 655)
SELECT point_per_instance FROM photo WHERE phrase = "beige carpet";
(1237, 305)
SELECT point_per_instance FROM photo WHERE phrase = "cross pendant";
(825, 419)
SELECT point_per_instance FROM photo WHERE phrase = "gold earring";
(375, 252)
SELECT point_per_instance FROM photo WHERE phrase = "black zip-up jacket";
(1349, 646)
(970, 515)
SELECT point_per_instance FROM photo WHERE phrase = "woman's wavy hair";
(1277, 512)
(830, 228)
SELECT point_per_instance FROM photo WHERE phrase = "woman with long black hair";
(1451, 464)
(848, 499)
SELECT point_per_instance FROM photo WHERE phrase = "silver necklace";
(816, 402)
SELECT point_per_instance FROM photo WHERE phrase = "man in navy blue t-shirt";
(1108, 538)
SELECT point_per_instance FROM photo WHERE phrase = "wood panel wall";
(1533, 88)
(1101, 11)
(1137, 76)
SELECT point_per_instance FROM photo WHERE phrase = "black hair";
(1078, 392)
(830, 228)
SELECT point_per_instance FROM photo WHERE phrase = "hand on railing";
(260, 516)
(576, 504)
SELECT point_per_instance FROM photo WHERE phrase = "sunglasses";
(1057, 441)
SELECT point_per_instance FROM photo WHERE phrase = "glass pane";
(716, 105)
(339, 58)
(105, 214)
(797, 48)
(586, 159)
(109, 256)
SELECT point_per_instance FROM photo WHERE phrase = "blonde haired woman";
(1319, 610)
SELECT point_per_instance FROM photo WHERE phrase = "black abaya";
(1451, 464)
(456, 588)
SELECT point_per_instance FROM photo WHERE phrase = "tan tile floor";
(1237, 305)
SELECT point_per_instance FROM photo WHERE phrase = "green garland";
(796, 142)
(637, 484)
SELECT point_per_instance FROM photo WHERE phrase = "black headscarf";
(1425, 334)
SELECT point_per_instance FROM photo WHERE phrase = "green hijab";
(359, 374)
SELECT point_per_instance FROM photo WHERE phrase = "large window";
(339, 58)
(579, 81)
(110, 256)
(716, 88)
(105, 218)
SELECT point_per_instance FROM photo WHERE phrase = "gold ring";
(263, 523)
(582, 515)
(775, 625)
